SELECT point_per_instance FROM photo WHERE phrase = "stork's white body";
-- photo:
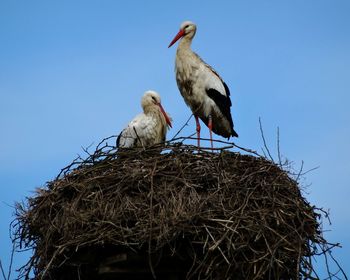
(194, 77)
(147, 128)
(143, 131)
(201, 87)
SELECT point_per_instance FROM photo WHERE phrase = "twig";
(2, 271)
(86, 150)
(138, 138)
(278, 147)
(217, 245)
(151, 222)
(105, 139)
(186, 124)
(11, 260)
(230, 144)
(263, 137)
(339, 266)
(327, 265)
(300, 171)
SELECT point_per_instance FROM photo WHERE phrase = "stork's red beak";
(167, 119)
(177, 37)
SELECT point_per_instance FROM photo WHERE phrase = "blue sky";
(73, 72)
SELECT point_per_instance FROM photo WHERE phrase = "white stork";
(202, 88)
(147, 128)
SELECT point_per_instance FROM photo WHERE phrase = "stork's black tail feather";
(234, 133)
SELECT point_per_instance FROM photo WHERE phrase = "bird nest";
(182, 212)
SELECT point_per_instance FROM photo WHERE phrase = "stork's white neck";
(151, 109)
(185, 42)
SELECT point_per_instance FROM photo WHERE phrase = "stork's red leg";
(198, 129)
(210, 125)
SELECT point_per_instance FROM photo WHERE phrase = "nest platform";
(178, 214)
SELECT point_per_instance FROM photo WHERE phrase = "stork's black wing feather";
(227, 90)
(118, 139)
(224, 104)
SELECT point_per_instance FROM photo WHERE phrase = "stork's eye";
(154, 99)
(186, 26)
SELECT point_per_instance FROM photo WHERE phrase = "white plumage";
(201, 87)
(147, 128)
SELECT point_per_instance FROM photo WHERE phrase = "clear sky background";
(73, 72)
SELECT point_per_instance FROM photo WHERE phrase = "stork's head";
(187, 29)
(151, 99)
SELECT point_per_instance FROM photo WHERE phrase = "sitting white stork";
(147, 128)
(202, 88)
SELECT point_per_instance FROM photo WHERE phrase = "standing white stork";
(147, 128)
(202, 88)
